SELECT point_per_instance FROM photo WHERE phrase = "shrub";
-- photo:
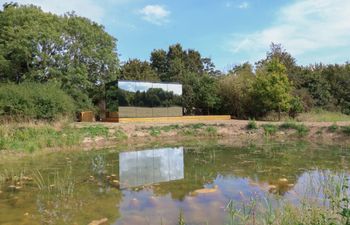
(301, 129)
(252, 125)
(269, 129)
(120, 134)
(333, 128)
(155, 131)
(95, 131)
(346, 130)
(34, 101)
(211, 130)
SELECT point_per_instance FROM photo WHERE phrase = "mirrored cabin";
(139, 99)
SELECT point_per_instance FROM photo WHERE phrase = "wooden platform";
(174, 119)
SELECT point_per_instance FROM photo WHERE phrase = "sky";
(230, 32)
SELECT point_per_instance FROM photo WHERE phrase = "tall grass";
(252, 125)
(325, 201)
(322, 116)
(33, 137)
(301, 129)
(269, 129)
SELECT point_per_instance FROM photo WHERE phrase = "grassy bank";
(31, 137)
(323, 116)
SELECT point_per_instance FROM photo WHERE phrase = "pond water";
(162, 185)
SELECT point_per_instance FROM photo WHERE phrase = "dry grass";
(323, 116)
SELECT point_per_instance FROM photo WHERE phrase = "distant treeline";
(79, 57)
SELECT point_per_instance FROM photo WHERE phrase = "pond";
(202, 183)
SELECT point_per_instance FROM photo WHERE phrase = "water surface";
(156, 185)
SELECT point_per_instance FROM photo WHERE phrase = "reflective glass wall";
(144, 99)
(147, 167)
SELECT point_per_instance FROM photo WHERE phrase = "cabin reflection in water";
(150, 166)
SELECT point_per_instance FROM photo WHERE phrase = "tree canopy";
(69, 50)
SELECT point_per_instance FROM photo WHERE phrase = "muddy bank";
(237, 130)
(89, 136)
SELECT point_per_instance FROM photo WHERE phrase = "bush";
(333, 128)
(269, 129)
(301, 129)
(346, 130)
(34, 101)
(252, 125)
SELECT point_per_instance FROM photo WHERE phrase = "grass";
(301, 129)
(252, 125)
(269, 129)
(185, 130)
(322, 116)
(95, 131)
(211, 131)
(332, 208)
(333, 128)
(345, 130)
(120, 134)
(33, 137)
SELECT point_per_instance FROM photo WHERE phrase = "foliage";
(34, 101)
(95, 131)
(252, 125)
(296, 107)
(333, 128)
(319, 115)
(80, 57)
(235, 91)
(269, 129)
(32, 137)
(301, 129)
(271, 89)
(135, 69)
(193, 72)
(346, 130)
(69, 50)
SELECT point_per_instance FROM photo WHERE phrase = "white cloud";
(244, 5)
(155, 14)
(302, 27)
(241, 5)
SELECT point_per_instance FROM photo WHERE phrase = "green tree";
(272, 89)
(71, 51)
(135, 69)
(235, 91)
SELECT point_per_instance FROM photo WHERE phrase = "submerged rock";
(12, 187)
(115, 183)
(99, 222)
(283, 180)
(206, 190)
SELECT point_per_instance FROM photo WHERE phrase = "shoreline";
(143, 134)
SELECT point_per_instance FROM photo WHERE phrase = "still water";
(160, 184)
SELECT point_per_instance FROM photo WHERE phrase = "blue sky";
(228, 31)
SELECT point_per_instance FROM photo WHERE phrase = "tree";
(272, 89)
(159, 63)
(69, 50)
(135, 69)
(193, 72)
(235, 91)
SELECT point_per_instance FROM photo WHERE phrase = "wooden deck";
(173, 119)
